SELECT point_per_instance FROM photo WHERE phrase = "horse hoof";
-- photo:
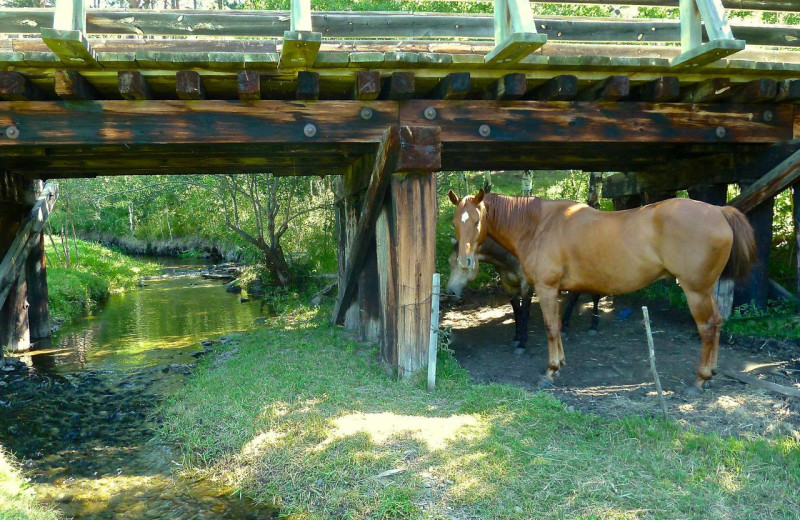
(545, 383)
(515, 343)
(519, 351)
(692, 391)
(592, 332)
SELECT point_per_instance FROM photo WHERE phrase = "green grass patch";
(95, 272)
(16, 497)
(301, 416)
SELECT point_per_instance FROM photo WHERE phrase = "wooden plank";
(766, 385)
(248, 84)
(514, 48)
(707, 53)
(510, 86)
(399, 86)
(133, 85)
(189, 85)
(383, 165)
(45, 123)
(15, 87)
(560, 88)
(420, 149)
(36, 278)
(367, 85)
(71, 47)
(788, 91)
(307, 85)
(455, 85)
(611, 88)
(711, 90)
(660, 90)
(299, 49)
(386, 252)
(772, 183)
(71, 85)
(756, 91)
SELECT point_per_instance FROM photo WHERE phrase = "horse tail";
(743, 249)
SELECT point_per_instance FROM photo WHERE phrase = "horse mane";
(504, 212)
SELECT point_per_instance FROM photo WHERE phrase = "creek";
(81, 411)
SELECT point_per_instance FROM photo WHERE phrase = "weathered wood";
(612, 88)
(386, 247)
(455, 85)
(660, 90)
(36, 278)
(70, 85)
(367, 85)
(71, 47)
(711, 90)
(307, 85)
(189, 85)
(384, 161)
(420, 149)
(15, 87)
(772, 183)
(300, 49)
(755, 91)
(560, 88)
(300, 15)
(248, 84)
(627, 202)
(399, 86)
(766, 385)
(755, 290)
(707, 53)
(510, 86)
(70, 15)
(788, 91)
(796, 223)
(14, 324)
(133, 85)
(651, 197)
(716, 194)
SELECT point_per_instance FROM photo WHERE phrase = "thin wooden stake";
(433, 343)
(652, 350)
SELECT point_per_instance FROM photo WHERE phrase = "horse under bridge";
(384, 101)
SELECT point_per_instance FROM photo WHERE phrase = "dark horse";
(565, 245)
(513, 281)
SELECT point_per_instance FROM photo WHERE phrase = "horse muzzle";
(467, 262)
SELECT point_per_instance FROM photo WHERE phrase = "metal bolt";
(768, 115)
(310, 130)
(366, 113)
(429, 113)
(721, 132)
(484, 130)
(12, 132)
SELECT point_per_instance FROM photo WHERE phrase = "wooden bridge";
(385, 100)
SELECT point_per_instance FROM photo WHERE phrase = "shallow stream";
(79, 412)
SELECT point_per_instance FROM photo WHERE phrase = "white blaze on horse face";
(464, 217)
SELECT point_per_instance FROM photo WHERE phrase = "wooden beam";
(420, 149)
(248, 84)
(788, 91)
(367, 85)
(70, 85)
(455, 85)
(612, 88)
(16, 87)
(559, 88)
(710, 90)
(772, 183)
(383, 165)
(708, 53)
(71, 47)
(755, 91)
(133, 85)
(189, 85)
(510, 86)
(399, 86)
(300, 49)
(660, 90)
(307, 85)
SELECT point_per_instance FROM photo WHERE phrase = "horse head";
(459, 277)
(469, 222)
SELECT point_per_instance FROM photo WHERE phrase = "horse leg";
(572, 299)
(524, 314)
(707, 317)
(595, 315)
(548, 300)
(515, 305)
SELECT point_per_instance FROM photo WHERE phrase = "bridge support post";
(36, 275)
(756, 289)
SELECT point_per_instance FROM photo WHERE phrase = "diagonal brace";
(773, 182)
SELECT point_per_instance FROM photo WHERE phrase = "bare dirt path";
(610, 373)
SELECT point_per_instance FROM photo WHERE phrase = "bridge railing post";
(300, 43)
(721, 42)
(515, 35)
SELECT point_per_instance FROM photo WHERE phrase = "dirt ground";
(610, 374)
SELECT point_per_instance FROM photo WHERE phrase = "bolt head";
(429, 113)
(12, 132)
(768, 115)
(366, 113)
(721, 132)
(484, 130)
(310, 130)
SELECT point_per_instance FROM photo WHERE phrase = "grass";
(98, 271)
(16, 499)
(301, 416)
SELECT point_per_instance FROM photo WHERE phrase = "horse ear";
(453, 197)
(479, 197)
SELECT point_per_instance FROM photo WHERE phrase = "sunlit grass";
(16, 497)
(303, 417)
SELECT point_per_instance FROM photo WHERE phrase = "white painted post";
(691, 28)
(300, 16)
(716, 21)
(433, 342)
(70, 15)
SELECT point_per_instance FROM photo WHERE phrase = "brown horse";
(565, 245)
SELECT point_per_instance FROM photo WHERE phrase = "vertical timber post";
(406, 250)
(796, 221)
(36, 274)
(756, 289)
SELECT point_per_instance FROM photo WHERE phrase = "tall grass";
(16, 498)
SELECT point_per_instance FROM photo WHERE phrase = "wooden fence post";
(433, 341)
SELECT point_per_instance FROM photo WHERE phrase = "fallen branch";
(317, 298)
(766, 385)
